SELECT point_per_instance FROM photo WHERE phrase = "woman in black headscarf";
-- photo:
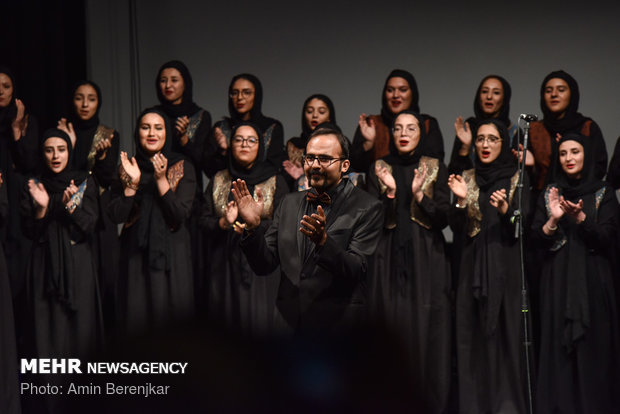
(96, 150)
(9, 393)
(488, 297)
(245, 100)
(317, 109)
(575, 226)
(492, 101)
(19, 157)
(192, 124)
(238, 299)
(410, 282)
(153, 201)
(559, 102)
(372, 137)
(59, 213)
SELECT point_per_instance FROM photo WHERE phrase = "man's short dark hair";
(344, 141)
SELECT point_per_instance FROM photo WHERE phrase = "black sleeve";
(195, 148)
(600, 150)
(31, 227)
(352, 263)
(261, 246)
(177, 205)
(4, 203)
(437, 208)
(213, 160)
(25, 151)
(434, 140)
(120, 206)
(601, 232)
(389, 204)
(105, 170)
(457, 218)
(276, 153)
(613, 174)
(208, 216)
(459, 163)
(360, 159)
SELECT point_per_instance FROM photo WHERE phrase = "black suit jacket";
(325, 292)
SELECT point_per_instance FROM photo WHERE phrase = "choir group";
(100, 244)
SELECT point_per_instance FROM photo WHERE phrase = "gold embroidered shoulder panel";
(194, 121)
(432, 169)
(381, 163)
(474, 215)
(175, 173)
(103, 132)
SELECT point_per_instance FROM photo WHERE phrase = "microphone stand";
(518, 222)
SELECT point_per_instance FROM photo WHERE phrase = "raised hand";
(458, 186)
(249, 209)
(40, 198)
(181, 127)
(129, 174)
(368, 128)
(160, 165)
(68, 193)
(20, 123)
(67, 127)
(574, 210)
(387, 179)
(464, 134)
(529, 157)
(499, 201)
(231, 212)
(314, 226)
(293, 169)
(101, 148)
(554, 204)
(419, 175)
(220, 139)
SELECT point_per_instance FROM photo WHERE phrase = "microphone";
(528, 117)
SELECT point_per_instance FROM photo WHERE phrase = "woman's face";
(316, 112)
(488, 143)
(56, 154)
(86, 102)
(6, 90)
(557, 96)
(172, 85)
(406, 133)
(152, 133)
(491, 97)
(398, 94)
(571, 158)
(245, 146)
(242, 95)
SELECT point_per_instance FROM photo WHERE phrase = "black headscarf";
(504, 111)
(260, 170)
(60, 278)
(306, 130)
(571, 119)
(386, 114)
(57, 182)
(84, 129)
(153, 232)
(504, 166)
(574, 188)
(402, 248)
(187, 107)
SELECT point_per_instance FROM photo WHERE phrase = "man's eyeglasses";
(250, 142)
(324, 160)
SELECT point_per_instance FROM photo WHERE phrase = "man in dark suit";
(321, 239)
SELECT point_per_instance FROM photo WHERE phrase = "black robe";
(414, 304)
(488, 305)
(66, 320)
(9, 392)
(150, 297)
(320, 290)
(237, 298)
(579, 375)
